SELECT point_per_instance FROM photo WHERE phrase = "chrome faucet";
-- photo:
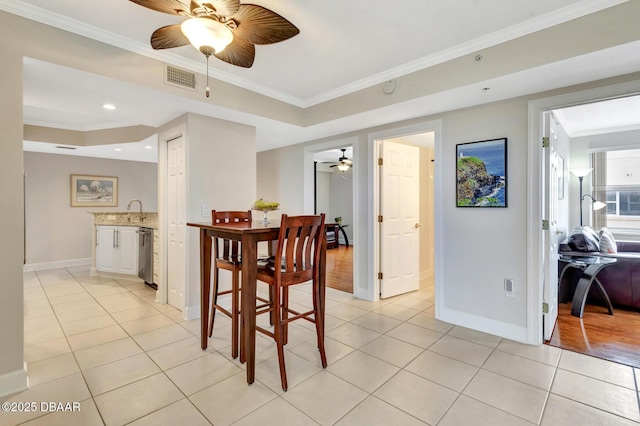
(140, 202)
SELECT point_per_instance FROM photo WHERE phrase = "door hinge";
(379, 275)
(379, 161)
(545, 308)
(545, 225)
(545, 142)
(380, 218)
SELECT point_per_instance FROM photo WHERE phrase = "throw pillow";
(583, 238)
(607, 242)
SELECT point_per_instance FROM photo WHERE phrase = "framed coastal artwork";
(94, 191)
(481, 173)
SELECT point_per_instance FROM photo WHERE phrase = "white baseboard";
(191, 312)
(14, 382)
(29, 267)
(497, 328)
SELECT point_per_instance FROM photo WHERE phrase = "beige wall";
(12, 375)
(55, 231)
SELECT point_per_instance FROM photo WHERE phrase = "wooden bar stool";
(299, 247)
(228, 259)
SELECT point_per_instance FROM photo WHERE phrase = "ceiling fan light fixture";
(343, 167)
(206, 34)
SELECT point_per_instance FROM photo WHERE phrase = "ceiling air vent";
(65, 147)
(179, 77)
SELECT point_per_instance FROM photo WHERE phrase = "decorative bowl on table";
(265, 207)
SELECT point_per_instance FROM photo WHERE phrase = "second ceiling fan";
(344, 163)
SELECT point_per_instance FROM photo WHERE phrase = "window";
(623, 189)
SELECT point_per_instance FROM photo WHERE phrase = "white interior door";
(400, 207)
(176, 220)
(550, 235)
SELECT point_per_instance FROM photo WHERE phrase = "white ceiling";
(342, 47)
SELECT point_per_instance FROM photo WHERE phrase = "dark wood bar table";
(249, 236)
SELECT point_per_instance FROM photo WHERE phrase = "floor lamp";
(595, 204)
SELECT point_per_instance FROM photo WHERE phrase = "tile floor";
(107, 344)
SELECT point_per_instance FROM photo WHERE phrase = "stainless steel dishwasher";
(145, 256)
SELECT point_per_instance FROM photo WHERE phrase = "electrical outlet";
(206, 211)
(509, 287)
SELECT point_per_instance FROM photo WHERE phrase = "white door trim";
(373, 206)
(535, 259)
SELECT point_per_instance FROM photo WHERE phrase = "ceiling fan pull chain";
(208, 90)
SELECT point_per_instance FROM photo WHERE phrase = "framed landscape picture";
(94, 191)
(481, 173)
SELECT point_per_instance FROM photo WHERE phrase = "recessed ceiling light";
(117, 149)
(109, 106)
(148, 147)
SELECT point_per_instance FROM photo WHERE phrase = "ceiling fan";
(343, 162)
(225, 29)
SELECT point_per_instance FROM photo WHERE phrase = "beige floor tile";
(338, 295)
(325, 398)
(45, 334)
(474, 336)
(333, 349)
(298, 370)
(41, 322)
(32, 313)
(374, 412)
(392, 350)
(161, 336)
(443, 370)
(563, 411)
(88, 324)
(120, 302)
(367, 305)
(414, 303)
(597, 368)
(396, 311)
(179, 413)
(605, 396)
(177, 353)
(130, 402)
(426, 320)
(65, 289)
(81, 311)
(543, 353)
(68, 298)
(462, 350)
(86, 414)
(134, 314)
(278, 410)
(45, 350)
(202, 372)
(66, 389)
(519, 399)
(330, 323)
(147, 324)
(231, 399)
(377, 322)
(192, 326)
(105, 353)
(119, 373)
(105, 289)
(51, 369)
(521, 369)
(96, 337)
(357, 367)
(415, 335)
(467, 411)
(346, 312)
(353, 335)
(409, 393)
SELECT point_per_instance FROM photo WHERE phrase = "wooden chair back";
(298, 246)
(230, 249)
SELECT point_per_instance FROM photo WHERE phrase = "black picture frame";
(481, 174)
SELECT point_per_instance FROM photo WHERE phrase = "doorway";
(333, 195)
(537, 248)
(425, 136)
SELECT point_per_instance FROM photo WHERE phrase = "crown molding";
(568, 13)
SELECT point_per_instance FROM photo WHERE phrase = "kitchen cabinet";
(117, 249)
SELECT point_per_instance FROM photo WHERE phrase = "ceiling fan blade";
(172, 7)
(258, 25)
(168, 37)
(224, 8)
(239, 53)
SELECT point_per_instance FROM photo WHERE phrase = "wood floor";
(340, 268)
(612, 337)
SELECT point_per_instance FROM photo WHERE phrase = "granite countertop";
(126, 219)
